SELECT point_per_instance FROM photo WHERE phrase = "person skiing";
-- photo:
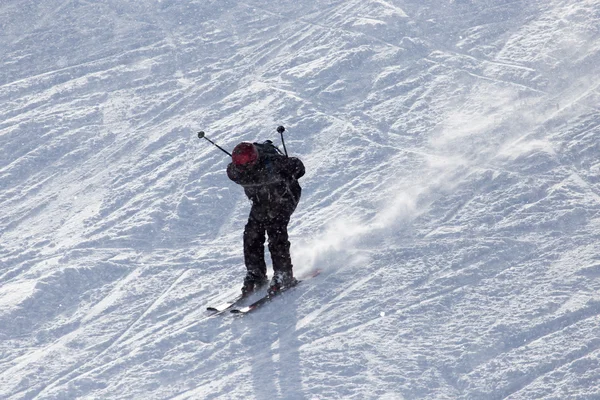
(270, 181)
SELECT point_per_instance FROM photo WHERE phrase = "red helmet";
(244, 154)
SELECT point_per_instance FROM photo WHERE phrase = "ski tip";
(211, 309)
(243, 310)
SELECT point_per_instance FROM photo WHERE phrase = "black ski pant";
(273, 223)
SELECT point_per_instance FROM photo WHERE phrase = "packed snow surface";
(452, 198)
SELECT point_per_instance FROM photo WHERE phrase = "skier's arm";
(254, 176)
(243, 176)
(233, 173)
(285, 168)
(293, 168)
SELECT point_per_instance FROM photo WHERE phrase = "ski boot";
(282, 280)
(252, 282)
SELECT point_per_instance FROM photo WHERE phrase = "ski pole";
(202, 135)
(281, 129)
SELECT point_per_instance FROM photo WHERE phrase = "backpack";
(267, 149)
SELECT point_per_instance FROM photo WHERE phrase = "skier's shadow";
(275, 355)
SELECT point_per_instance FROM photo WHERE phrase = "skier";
(270, 180)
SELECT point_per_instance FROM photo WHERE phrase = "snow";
(452, 198)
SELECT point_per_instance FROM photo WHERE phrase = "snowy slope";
(452, 198)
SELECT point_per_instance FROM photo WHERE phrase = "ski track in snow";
(452, 198)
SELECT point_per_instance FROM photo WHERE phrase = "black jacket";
(272, 182)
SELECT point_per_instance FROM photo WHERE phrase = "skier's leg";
(279, 244)
(254, 249)
(279, 247)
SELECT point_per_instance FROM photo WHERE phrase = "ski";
(227, 304)
(218, 309)
(269, 296)
(265, 299)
